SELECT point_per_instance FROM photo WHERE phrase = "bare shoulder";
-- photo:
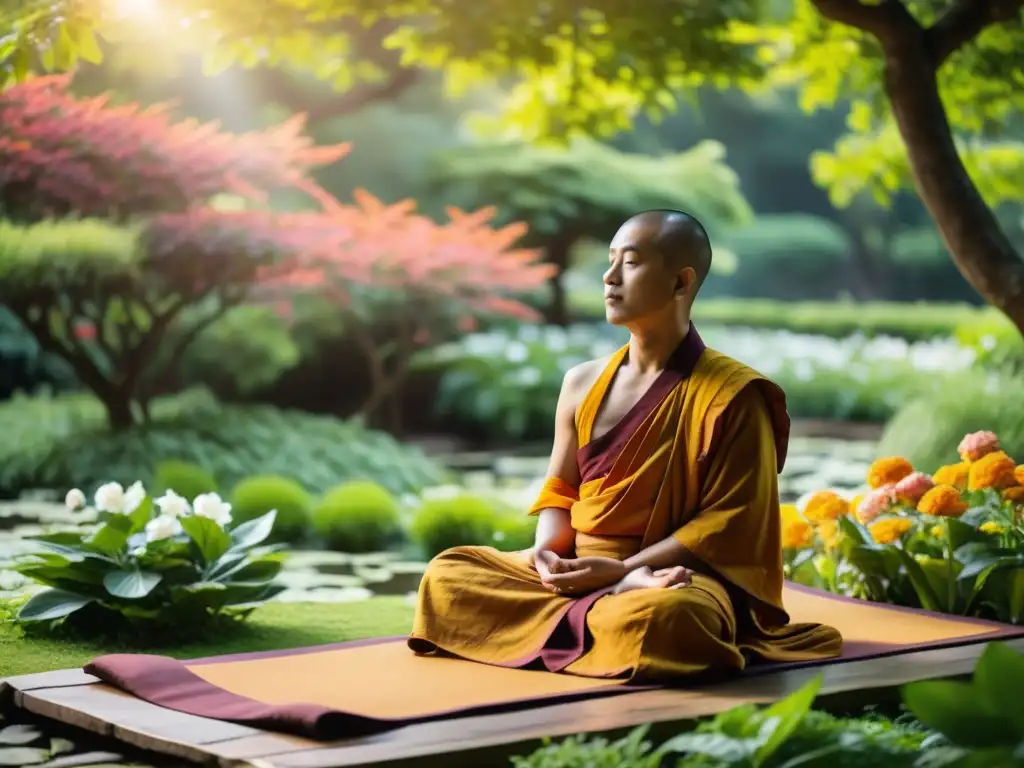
(580, 378)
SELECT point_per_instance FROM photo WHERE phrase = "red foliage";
(463, 263)
(63, 154)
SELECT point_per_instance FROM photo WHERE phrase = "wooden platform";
(78, 699)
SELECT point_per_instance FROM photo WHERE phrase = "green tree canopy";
(934, 83)
(587, 189)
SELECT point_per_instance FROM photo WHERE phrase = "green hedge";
(61, 442)
(913, 322)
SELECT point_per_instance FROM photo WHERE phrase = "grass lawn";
(274, 626)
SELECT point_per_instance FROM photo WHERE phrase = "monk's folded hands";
(585, 574)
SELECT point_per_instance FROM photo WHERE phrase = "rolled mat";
(358, 688)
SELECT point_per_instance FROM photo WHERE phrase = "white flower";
(110, 498)
(75, 500)
(162, 527)
(212, 506)
(172, 504)
(134, 496)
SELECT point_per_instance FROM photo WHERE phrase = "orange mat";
(362, 687)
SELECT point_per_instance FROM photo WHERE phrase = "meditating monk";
(658, 550)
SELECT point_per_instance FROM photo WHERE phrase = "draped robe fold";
(697, 458)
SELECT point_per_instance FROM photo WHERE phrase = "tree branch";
(280, 87)
(877, 19)
(964, 22)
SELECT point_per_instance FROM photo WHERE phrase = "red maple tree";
(388, 267)
(391, 269)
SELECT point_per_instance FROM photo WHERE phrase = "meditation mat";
(359, 688)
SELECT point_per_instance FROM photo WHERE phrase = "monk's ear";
(685, 280)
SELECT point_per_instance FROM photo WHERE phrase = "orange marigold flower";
(977, 444)
(1014, 494)
(953, 474)
(889, 529)
(828, 530)
(825, 505)
(796, 534)
(888, 471)
(993, 470)
(943, 501)
(1018, 472)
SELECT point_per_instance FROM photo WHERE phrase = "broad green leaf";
(141, 515)
(854, 531)
(957, 711)
(211, 540)
(787, 714)
(999, 680)
(131, 585)
(728, 749)
(52, 604)
(922, 586)
(253, 532)
(255, 571)
(112, 537)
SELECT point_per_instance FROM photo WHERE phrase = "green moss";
(272, 627)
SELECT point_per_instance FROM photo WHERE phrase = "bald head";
(679, 238)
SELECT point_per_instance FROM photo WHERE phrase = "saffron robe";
(696, 458)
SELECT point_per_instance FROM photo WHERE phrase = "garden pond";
(320, 575)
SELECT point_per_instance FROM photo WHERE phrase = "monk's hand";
(584, 574)
(546, 563)
(663, 578)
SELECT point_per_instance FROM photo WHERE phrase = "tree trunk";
(557, 253)
(119, 410)
(980, 249)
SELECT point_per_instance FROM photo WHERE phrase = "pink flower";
(875, 503)
(977, 444)
(912, 487)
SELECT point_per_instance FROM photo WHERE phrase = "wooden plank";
(613, 713)
(56, 679)
(106, 711)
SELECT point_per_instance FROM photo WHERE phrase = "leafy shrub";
(142, 566)
(788, 733)
(837, 319)
(515, 531)
(995, 339)
(927, 430)
(188, 479)
(62, 443)
(505, 383)
(256, 496)
(360, 516)
(451, 521)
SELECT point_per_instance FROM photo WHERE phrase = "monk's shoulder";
(580, 378)
(720, 367)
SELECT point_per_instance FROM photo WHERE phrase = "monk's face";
(641, 285)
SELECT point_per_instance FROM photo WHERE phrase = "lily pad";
(20, 734)
(18, 756)
(86, 760)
